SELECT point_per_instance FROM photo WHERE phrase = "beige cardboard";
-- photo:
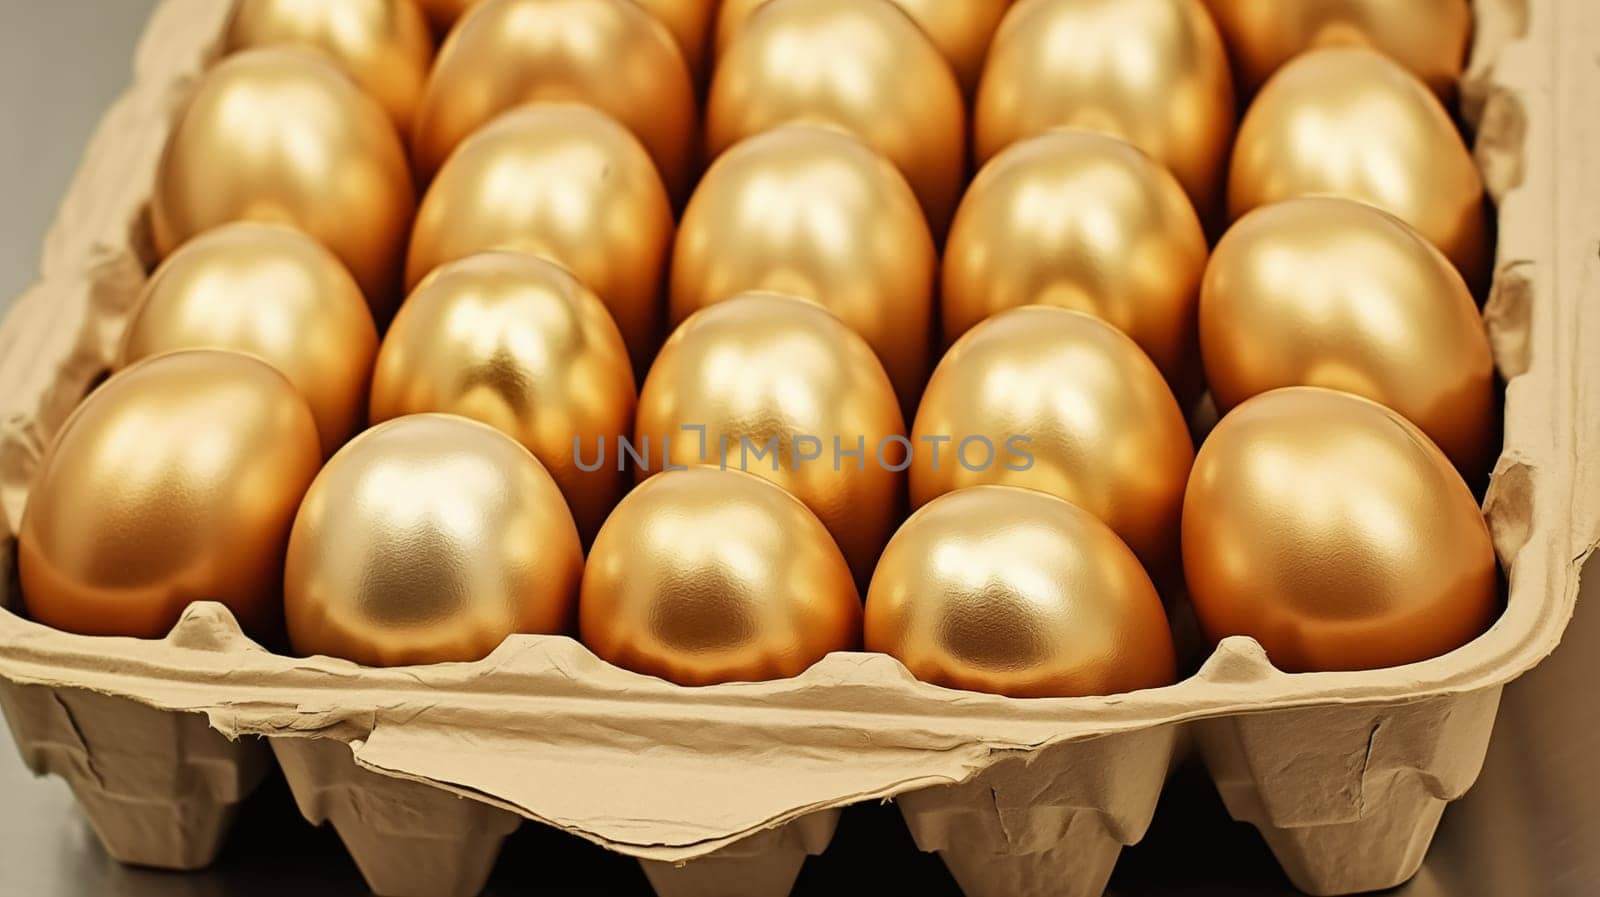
(1345, 773)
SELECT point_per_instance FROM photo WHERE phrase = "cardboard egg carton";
(726, 790)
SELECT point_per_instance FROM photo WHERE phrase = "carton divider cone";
(762, 865)
(407, 838)
(160, 789)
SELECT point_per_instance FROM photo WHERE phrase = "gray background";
(1528, 828)
(62, 62)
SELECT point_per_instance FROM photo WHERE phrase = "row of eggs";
(1321, 523)
(431, 537)
(1067, 218)
(1152, 72)
(1437, 604)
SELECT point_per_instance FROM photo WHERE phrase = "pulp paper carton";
(726, 790)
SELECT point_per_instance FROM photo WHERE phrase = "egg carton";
(727, 789)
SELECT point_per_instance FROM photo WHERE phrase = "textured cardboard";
(725, 790)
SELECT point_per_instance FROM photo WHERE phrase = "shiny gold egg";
(816, 214)
(517, 343)
(1332, 531)
(960, 29)
(1015, 592)
(429, 539)
(1330, 292)
(270, 292)
(1349, 122)
(1064, 403)
(384, 45)
(1428, 37)
(1082, 221)
(609, 54)
(279, 135)
(175, 481)
(690, 24)
(778, 387)
(703, 576)
(566, 183)
(864, 68)
(1151, 72)
(443, 14)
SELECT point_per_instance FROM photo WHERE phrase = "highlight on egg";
(273, 293)
(1061, 402)
(319, 155)
(175, 481)
(1015, 592)
(1083, 221)
(1151, 72)
(814, 213)
(1333, 532)
(567, 183)
(384, 45)
(429, 539)
(1351, 122)
(1320, 291)
(611, 55)
(518, 343)
(779, 388)
(704, 576)
(863, 68)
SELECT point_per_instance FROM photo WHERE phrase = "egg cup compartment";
(408, 839)
(160, 789)
(762, 865)
(1348, 798)
(1046, 824)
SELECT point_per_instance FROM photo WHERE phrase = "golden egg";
(1082, 221)
(778, 387)
(1428, 37)
(279, 135)
(175, 481)
(690, 22)
(429, 539)
(566, 183)
(1064, 403)
(960, 29)
(813, 213)
(1333, 532)
(1349, 122)
(270, 292)
(1015, 592)
(703, 576)
(443, 14)
(864, 68)
(517, 343)
(609, 54)
(384, 45)
(1330, 292)
(1152, 72)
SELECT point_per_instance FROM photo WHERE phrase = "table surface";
(1529, 827)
